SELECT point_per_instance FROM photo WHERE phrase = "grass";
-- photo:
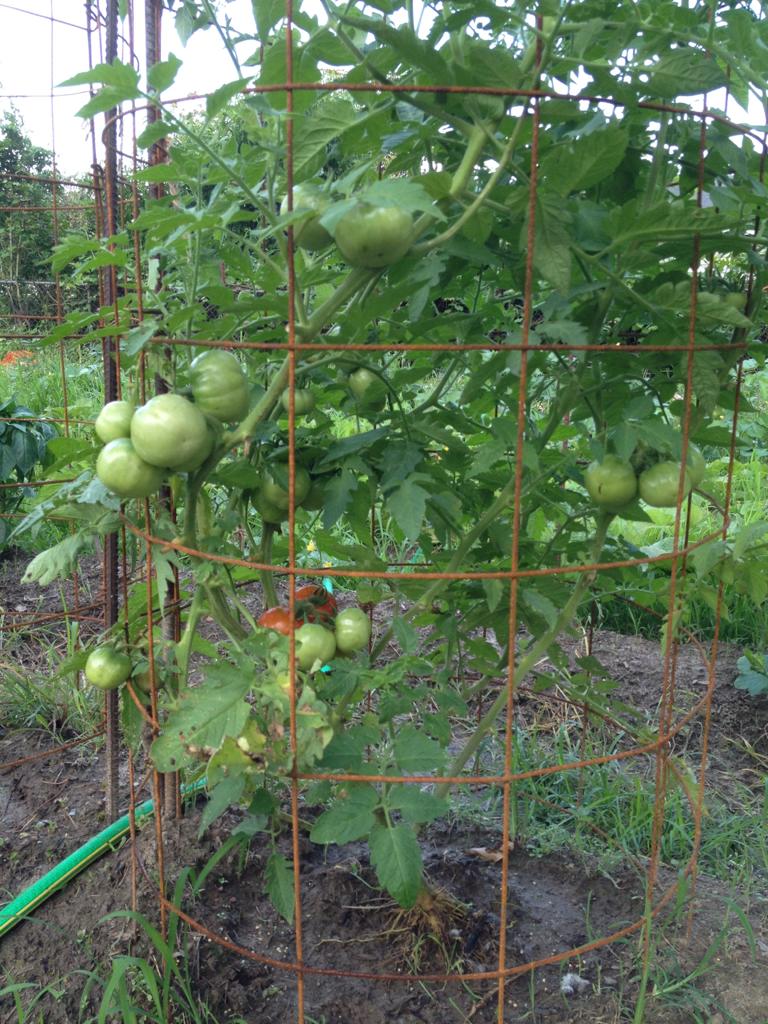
(619, 801)
(42, 700)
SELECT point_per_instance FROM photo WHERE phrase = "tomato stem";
(525, 665)
(265, 554)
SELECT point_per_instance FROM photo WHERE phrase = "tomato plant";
(170, 432)
(107, 667)
(310, 203)
(314, 601)
(314, 643)
(352, 629)
(219, 386)
(415, 321)
(304, 401)
(278, 619)
(368, 389)
(659, 484)
(122, 471)
(611, 483)
(374, 236)
(114, 421)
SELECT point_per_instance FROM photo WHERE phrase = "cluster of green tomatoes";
(169, 433)
(613, 483)
(367, 236)
(321, 630)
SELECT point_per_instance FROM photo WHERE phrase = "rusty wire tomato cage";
(110, 186)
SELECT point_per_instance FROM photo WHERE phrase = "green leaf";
(413, 51)
(396, 857)
(405, 634)
(485, 457)
(578, 164)
(402, 193)
(494, 591)
(222, 796)
(59, 561)
(7, 462)
(24, 448)
(345, 751)
(538, 603)
(752, 677)
(685, 72)
(408, 504)
(352, 445)
(350, 817)
(117, 75)
(416, 806)
(552, 249)
(218, 99)
(131, 719)
(203, 717)
(278, 885)
(137, 338)
(707, 556)
(267, 13)
(185, 25)
(326, 125)
(416, 753)
(274, 71)
(337, 494)
(152, 134)
(105, 99)
(163, 74)
(748, 537)
(228, 760)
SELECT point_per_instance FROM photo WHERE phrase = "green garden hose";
(15, 911)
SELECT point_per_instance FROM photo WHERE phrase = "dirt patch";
(555, 903)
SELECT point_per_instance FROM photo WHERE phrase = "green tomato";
(277, 495)
(695, 464)
(314, 643)
(353, 630)
(308, 232)
(107, 668)
(114, 421)
(143, 684)
(172, 432)
(125, 473)
(611, 484)
(219, 386)
(374, 236)
(659, 485)
(303, 400)
(368, 389)
(269, 513)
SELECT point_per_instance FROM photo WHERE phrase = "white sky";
(35, 56)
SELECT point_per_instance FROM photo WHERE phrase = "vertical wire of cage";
(108, 186)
